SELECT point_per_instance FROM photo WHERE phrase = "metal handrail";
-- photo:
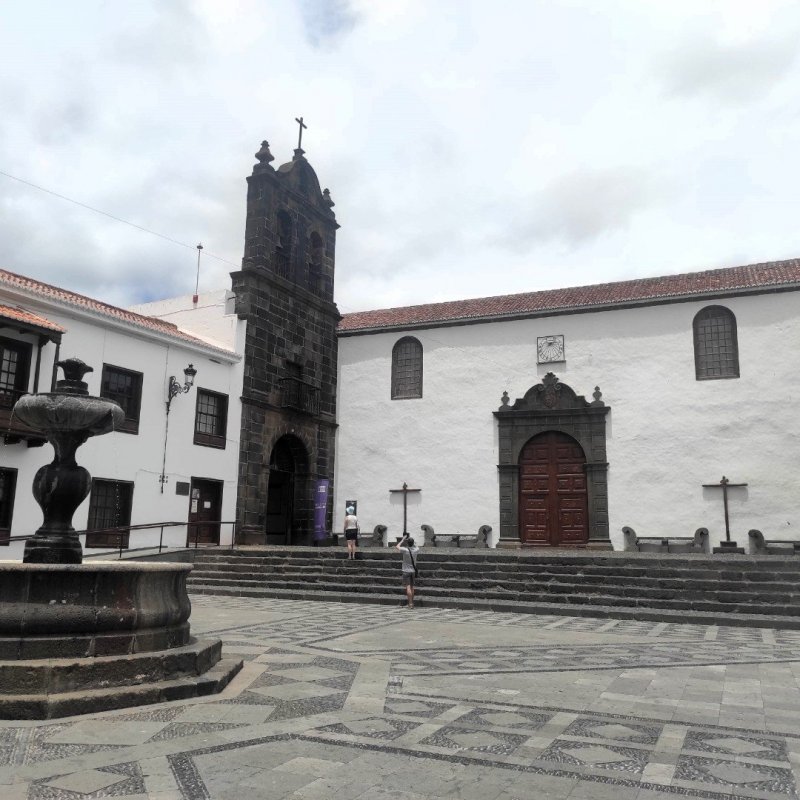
(124, 530)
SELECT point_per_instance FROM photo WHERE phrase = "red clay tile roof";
(27, 318)
(716, 281)
(46, 291)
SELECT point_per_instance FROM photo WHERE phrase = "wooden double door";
(553, 505)
(205, 511)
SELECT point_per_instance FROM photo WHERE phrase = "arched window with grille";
(407, 369)
(716, 348)
(283, 244)
(316, 249)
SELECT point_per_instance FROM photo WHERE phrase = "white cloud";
(471, 149)
(733, 73)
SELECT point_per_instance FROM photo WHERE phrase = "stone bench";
(761, 546)
(375, 539)
(479, 539)
(698, 543)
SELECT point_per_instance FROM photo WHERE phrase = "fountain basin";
(97, 608)
(78, 638)
(52, 412)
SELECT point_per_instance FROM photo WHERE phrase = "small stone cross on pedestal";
(728, 546)
(405, 490)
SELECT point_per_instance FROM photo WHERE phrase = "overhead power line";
(115, 218)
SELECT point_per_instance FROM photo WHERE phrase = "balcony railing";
(12, 429)
(299, 396)
(282, 264)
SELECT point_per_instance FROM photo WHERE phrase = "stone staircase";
(762, 591)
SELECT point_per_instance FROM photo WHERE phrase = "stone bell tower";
(285, 292)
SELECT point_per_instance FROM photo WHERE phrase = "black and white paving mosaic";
(372, 703)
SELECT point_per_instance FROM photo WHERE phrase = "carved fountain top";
(71, 407)
(74, 370)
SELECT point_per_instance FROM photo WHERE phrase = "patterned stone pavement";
(376, 703)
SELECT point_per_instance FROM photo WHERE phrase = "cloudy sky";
(471, 148)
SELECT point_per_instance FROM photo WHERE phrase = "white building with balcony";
(172, 462)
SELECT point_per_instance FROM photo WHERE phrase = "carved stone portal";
(553, 406)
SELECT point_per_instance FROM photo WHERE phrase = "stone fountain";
(75, 637)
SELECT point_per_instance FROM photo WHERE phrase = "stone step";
(526, 554)
(514, 606)
(769, 583)
(783, 593)
(67, 675)
(703, 601)
(66, 704)
(718, 587)
(701, 566)
(359, 572)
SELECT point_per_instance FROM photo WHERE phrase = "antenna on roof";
(197, 282)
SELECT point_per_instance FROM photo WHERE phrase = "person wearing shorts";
(409, 550)
(351, 531)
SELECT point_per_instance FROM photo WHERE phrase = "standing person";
(409, 550)
(351, 531)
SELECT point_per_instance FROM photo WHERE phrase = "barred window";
(283, 249)
(14, 360)
(124, 387)
(8, 489)
(716, 350)
(407, 369)
(211, 419)
(109, 507)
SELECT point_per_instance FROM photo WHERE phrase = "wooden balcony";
(299, 396)
(12, 429)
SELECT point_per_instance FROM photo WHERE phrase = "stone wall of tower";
(292, 191)
(285, 293)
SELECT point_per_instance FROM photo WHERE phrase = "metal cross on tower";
(405, 490)
(303, 126)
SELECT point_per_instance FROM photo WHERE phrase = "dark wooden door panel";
(204, 512)
(537, 484)
(553, 500)
(571, 483)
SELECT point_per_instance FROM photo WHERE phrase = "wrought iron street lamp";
(175, 388)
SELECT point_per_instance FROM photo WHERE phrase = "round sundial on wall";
(550, 349)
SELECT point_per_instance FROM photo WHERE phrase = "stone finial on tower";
(263, 155)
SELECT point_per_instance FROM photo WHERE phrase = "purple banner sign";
(321, 488)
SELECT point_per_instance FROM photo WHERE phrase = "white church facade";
(558, 417)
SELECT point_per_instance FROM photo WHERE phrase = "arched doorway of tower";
(553, 501)
(288, 495)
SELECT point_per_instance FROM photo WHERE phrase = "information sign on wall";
(321, 491)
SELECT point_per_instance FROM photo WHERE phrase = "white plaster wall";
(137, 458)
(207, 319)
(667, 433)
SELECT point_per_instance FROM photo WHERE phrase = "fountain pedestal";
(78, 638)
(68, 417)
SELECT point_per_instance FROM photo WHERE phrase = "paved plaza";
(377, 703)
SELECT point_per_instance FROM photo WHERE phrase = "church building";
(558, 417)
(554, 417)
